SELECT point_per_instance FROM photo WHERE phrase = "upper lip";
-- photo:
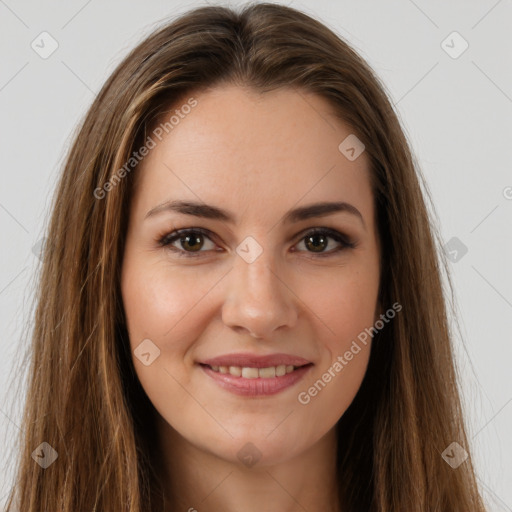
(255, 360)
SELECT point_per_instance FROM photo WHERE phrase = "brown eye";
(190, 241)
(317, 241)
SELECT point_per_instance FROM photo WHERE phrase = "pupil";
(316, 246)
(196, 239)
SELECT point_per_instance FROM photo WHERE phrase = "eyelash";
(169, 238)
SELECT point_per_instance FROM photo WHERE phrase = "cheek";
(166, 306)
(344, 302)
(169, 306)
(347, 309)
(162, 302)
(346, 305)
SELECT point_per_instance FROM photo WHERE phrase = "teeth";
(267, 372)
(280, 370)
(249, 373)
(235, 370)
(254, 373)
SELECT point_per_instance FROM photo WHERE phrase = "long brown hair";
(84, 399)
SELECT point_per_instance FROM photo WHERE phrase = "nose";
(258, 300)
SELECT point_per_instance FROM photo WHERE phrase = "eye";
(192, 241)
(189, 239)
(317, 239)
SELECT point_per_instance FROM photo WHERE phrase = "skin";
(257, 156)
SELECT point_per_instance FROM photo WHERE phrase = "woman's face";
(254, 281)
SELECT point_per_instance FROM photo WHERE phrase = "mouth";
(251, 372)
(253, 382)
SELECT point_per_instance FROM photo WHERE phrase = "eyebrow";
(213, 212)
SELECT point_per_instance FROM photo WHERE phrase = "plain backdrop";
(455, 105)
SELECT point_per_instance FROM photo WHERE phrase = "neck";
(197, 480)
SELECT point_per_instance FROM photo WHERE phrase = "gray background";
(456, 113)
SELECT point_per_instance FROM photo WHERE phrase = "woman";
(240, 305)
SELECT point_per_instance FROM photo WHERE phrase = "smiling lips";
(253, 375)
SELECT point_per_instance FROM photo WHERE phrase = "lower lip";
(259, 386)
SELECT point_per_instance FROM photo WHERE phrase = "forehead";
(253, 150)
